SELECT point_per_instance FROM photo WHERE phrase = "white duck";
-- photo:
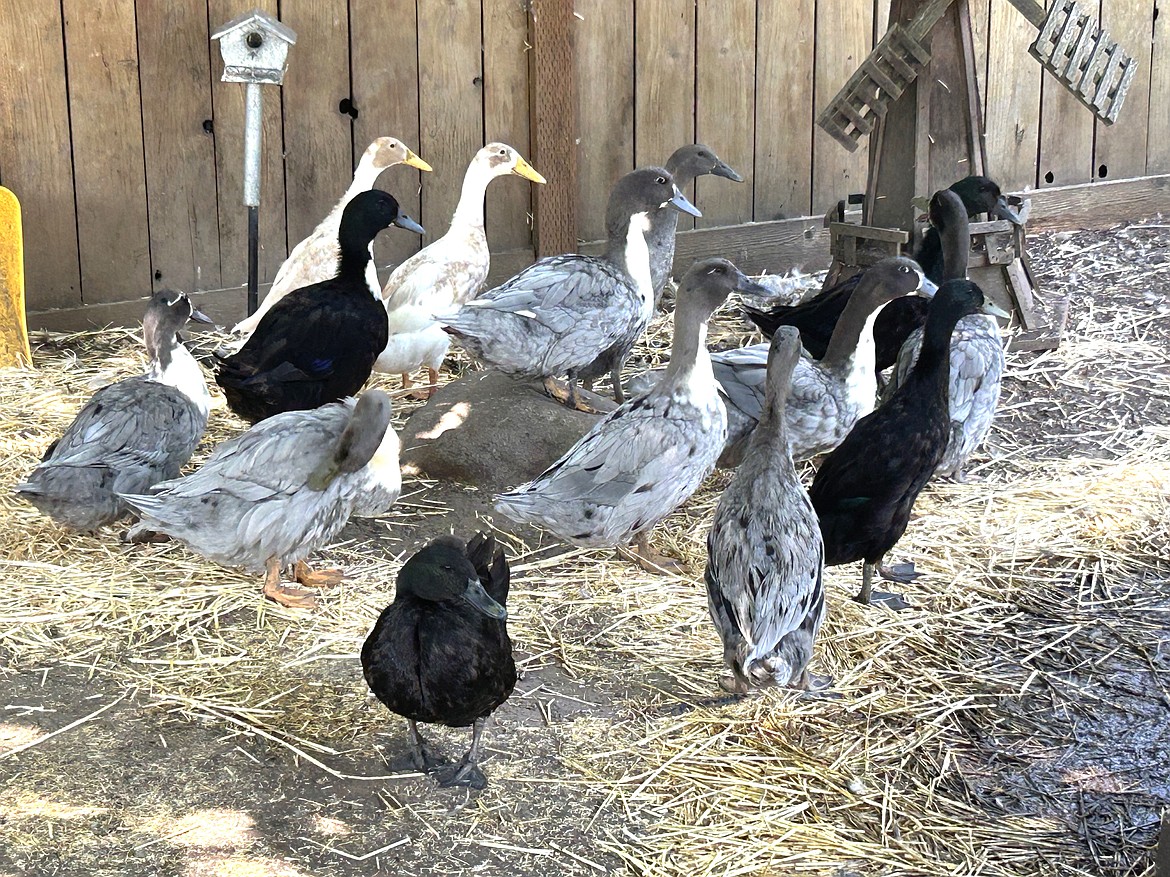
(446, 273)
(317, 257)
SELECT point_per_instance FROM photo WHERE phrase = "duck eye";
(660, 180)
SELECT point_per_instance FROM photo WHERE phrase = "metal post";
(253, 119)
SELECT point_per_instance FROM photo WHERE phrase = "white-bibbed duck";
(318, 256)
(275, 494)
(444, 274)
(131, 434)
(816, 317)
(317, 344)
(684, 164)
(826, 396)
(558, 315)
(646, 457)
(976, 372)
(440, 652)
(765, 558)
(864, 490)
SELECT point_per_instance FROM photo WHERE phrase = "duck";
(132, 433)
(440, 653)
(765, 557)
(559, 314)
(446, 273)
(816, 317)
(276, 493)
(317, 344)
(976, 373)
(864, 490)
(685, 164)
(979, 195)
(826, 396)
(646, 457)
(318, 257)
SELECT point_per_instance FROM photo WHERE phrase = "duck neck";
(630, 251)
(852, 337)
(955, 242)
(689, 359)
(172, 364)
(933, 365)
(469, 210)
(363, 180)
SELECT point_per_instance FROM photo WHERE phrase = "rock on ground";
(491, 431)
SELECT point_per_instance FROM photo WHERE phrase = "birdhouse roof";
(261, 20)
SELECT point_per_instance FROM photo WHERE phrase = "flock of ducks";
(320, 449)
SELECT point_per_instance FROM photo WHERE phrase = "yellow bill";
(414, 161)
(524, 169)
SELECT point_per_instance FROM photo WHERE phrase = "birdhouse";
(255, 48)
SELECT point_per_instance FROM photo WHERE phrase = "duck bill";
(413, 160)
(1002, 210)
(723, 169)
(680, 201)
(482, 600)
(926, 287)
(524, 169)
(993, 310)
(404, 221)
(199, 317)
(745, 284)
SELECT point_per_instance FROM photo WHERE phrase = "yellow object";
(14, 348)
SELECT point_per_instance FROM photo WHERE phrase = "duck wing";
(135, 422)
(815, 318)
(557, 314)
(275, 457)
(631, 469)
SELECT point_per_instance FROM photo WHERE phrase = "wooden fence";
(126, 149)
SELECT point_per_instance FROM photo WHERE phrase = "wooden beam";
(755, 247)
(554, 101)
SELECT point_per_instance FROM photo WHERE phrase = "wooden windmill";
(916, 96)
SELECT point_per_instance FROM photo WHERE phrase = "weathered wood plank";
(980, 23)
(664, 81)
(110, 174)
(725, 105)
(179, 146)
(1158, 130)
(784, 110)
(505, 118)
(1121, 147)
(35, 154)
(228, 104)
(450, 103)
(843, 39)
(384, 54)
(604, 60)
(1013, 99)
(1099, 205)
(318, 137)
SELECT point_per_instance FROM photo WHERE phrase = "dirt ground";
(214, 735)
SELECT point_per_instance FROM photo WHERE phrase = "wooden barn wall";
(126, 149)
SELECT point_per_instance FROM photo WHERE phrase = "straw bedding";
(1015, 722)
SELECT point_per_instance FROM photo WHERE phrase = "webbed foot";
(319, 578)
(903, 573)
(286, 595)
(567, 395)
(651, 559)
(465, 773)
(884, 598)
